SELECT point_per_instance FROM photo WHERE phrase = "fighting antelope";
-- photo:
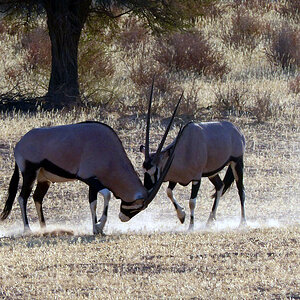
(90, 152)
(204, 150)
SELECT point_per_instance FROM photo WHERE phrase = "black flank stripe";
(54, 169)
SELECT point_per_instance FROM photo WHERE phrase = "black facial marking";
(128, 211)
(147, 165)
(148, 184)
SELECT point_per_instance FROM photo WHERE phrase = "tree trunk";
(65, 20)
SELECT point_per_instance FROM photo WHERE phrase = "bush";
(262, 108)
(38, 46)
(294, 85)
(132, 35)
(284, 49)
(244, 32)
(256, 5)
(231, 99)
(189, 51)
(290, 8)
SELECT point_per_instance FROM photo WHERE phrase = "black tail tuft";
(12, 191)
(228, 180)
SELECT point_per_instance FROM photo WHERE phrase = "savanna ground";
(153, 256)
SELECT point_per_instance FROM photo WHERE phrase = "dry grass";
(153, 256)
(243, 265)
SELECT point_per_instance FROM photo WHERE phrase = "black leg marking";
(239, 168)
(172, 185)
(38, 196)
(95, 186)
(29, 176)
(192, 202)
(195, 189)
(218, 183)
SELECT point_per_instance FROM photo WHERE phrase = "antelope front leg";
(102, 221)
(192, 202)
(179, 209)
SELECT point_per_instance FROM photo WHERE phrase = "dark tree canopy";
(66, 19)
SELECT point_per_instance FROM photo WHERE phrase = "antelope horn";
(147, 153)
(167, 131)
(158, 184)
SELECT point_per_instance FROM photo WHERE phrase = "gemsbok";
(90, 152)
(204, 150)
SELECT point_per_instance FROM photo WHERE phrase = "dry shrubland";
(236, 44)
(252, 79)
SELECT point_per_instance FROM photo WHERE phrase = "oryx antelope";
(204, 150)
(90, 152)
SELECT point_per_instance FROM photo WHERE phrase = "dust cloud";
(148, 223)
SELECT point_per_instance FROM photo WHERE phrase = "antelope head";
(155, 164)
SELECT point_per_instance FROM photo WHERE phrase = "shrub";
(294, 85)
(262, 108)
(231, 98)
(2, 27)
(244, 32)
(290, 8)
(257, 5)
(284, 49)
(189, 51)
(38, 46)
(132, 35)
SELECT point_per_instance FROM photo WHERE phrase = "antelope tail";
(12, 191)
(228, 180)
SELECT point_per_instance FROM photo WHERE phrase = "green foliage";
(160, 16)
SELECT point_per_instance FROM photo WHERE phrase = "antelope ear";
(142, 149)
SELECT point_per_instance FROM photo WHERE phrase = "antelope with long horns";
(204, 150)
(90, 152)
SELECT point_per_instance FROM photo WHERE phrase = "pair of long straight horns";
(147, 152)
(158, 184)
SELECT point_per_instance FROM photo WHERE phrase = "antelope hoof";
(243, 224)
(181, 216)
(210, 222)
(191, 227)
(27, 230)
(98, 229)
